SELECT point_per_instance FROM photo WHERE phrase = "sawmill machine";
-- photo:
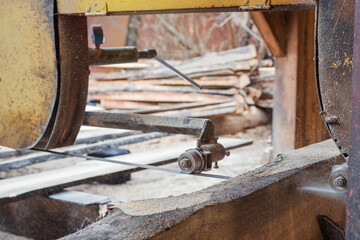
(44, 69)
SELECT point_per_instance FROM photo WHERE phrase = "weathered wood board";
(262, 204)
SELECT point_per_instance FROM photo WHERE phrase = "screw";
(185, 163)
(340, 182)
(227, 153)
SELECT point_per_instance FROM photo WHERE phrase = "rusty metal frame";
(353, 198)
(125, 7)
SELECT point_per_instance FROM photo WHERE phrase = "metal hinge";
(255, 5)
(96, 9)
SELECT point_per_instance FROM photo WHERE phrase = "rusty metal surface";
(352, 230)
(334, 67)
(329, 229)
(203, 128)
(73, 84)
(28, 71)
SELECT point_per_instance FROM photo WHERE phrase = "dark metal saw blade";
(335, 23)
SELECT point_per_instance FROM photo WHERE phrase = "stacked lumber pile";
(235, 84)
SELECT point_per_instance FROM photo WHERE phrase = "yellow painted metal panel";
(28, 73)
(83, 6)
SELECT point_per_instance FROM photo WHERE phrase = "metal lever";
(180, 74)
(196, 160)
(101, 56)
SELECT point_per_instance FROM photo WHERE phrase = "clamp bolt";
(185, 162)
(340, 182)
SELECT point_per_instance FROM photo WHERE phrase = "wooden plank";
(274, 36)
(310, 127)
(222, 82)
(124, 104)
(265, 203)
(177, 107)
(17, 188)
(162, 89)
(163, 97)
(296, 119)
(221, 63)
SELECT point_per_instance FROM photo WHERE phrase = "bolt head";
(340, 182)
(185, 163)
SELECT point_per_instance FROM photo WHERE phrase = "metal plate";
(335, 25)
(98, 7)
(28, 71)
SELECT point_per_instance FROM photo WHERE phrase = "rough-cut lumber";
(296, 118)
(262, 204)
(203, 112)
(163, 97)
(161, 89)
(38, 157)
(16, 188)
(110, 104)
(177, 107)
(209, 64)
(53, 217)
(218, 83)
(232, 124)
(273, 35)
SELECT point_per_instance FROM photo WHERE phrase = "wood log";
(265, 203)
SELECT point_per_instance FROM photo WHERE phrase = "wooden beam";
(310, 127)
(266, 203)
(272, 27)
(296, 119)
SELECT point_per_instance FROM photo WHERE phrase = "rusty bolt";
(340, 182)
(185, 163)
(331, 120)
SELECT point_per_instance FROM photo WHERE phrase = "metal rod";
(180, 74)
(203, 128)
(137, 165)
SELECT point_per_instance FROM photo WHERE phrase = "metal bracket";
(255, 5)
(96, 9)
